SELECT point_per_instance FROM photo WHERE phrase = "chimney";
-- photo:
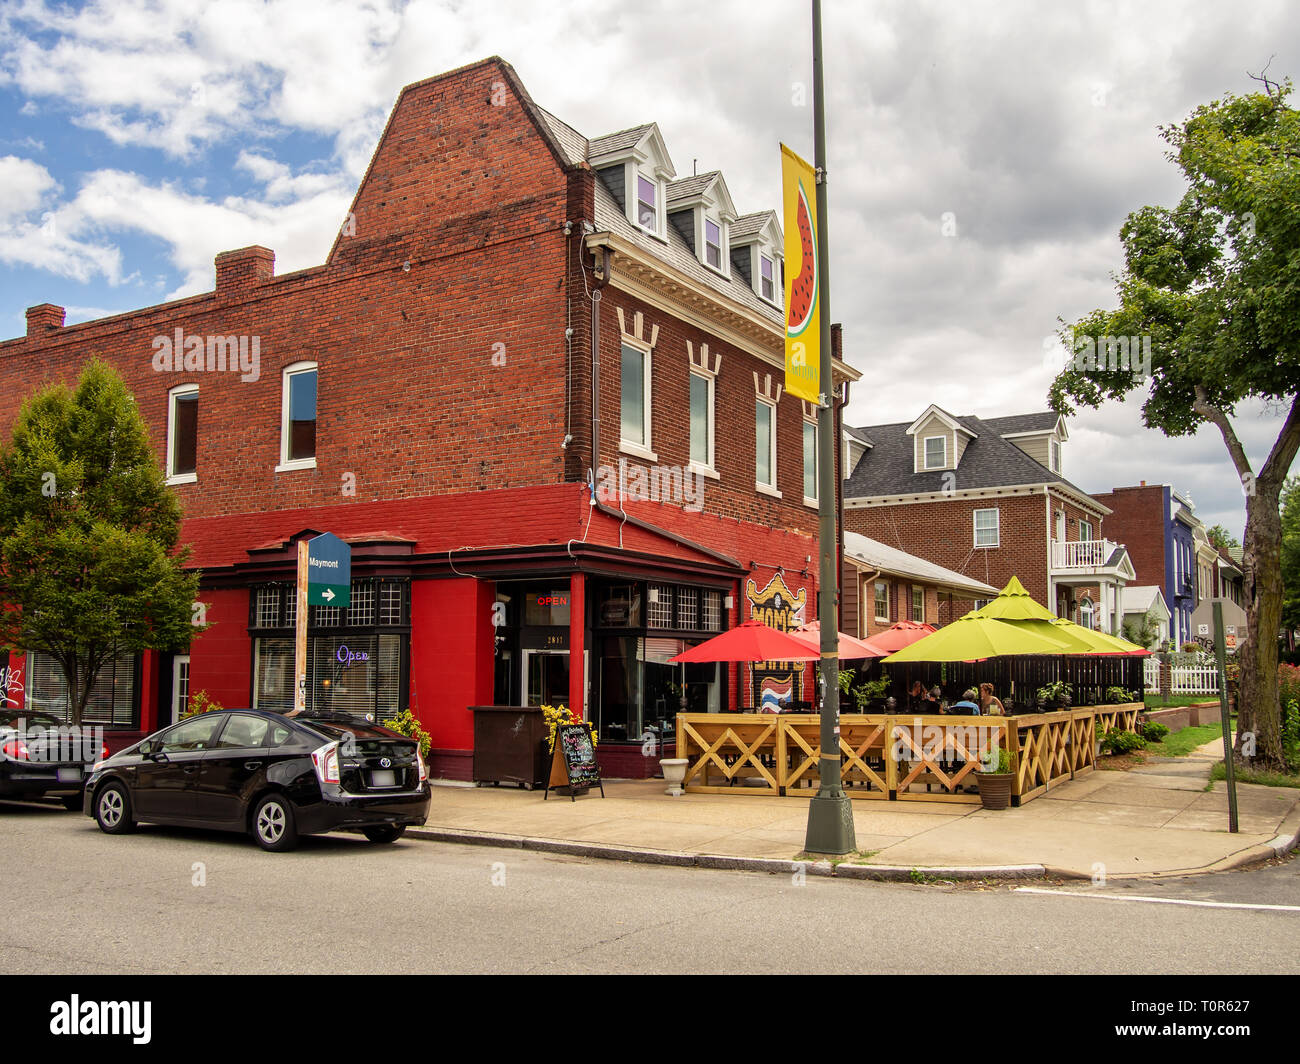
(240, 271)
(44, 318)
(837, 341)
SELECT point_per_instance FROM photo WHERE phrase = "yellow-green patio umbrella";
(1014, 603)
(974, 638)
(1103, 642)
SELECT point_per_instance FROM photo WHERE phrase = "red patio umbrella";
(751, 641)
(903, 634)
(850, 647)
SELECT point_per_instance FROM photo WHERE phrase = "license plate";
(384, 777)
(69, 775)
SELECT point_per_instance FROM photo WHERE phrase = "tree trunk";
(1258, 712)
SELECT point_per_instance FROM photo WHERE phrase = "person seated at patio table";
(990, 703)
(917, 696)
(968, 703)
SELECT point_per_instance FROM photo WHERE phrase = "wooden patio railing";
(891, 757)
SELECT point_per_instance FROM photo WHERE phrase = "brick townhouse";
(986, 498)
(512, 319)
(1169, 548)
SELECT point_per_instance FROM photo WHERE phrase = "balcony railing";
(1085, 554)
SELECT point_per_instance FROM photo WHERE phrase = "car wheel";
(113, 810)
(273, 824)
(71, 802)
(384, 833)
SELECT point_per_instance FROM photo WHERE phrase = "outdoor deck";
(890, 757)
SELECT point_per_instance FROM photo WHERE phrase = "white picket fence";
(1183, 679)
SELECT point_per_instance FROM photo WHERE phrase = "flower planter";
(995, 789)
(674, 769)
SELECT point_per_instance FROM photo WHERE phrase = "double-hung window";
(936, 452)
(647, 205)
(765, 445)
(918, 604)
(767, 277)
(987, 528)
(182, 434)
(1085, 530)
(702, 420)
(810, 463)
(882, 601)
(298, 417)
(712, 244)
(635, 402)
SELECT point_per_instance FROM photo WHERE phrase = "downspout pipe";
(605, 259)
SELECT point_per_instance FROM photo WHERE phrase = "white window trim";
(702, 242)
(638, 450)
(287, 465)
(1084, 524)
(178, 478)
(759, 256)
(975, 528)
(876, 602)
(766, 489)
(709, 468)
(925, 453)
(1054, 455)
(634, 202)
(811, 500)
(912, 610)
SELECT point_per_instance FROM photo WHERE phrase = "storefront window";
(112, 698)
(547, 607)
(356, 655)
(619, 606)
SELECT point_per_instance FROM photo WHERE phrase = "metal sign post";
(830, 813)
(1221, 659)
(324, 579)
(300, 634)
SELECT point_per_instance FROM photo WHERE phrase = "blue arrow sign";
(329, 571)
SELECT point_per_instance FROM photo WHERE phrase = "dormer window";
(767, 277)
(647, 210)
(1056, 457)
(936, 452)
(712, 244)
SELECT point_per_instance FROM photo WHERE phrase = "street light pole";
(830, 814)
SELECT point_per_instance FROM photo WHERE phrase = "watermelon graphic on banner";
(803, 340)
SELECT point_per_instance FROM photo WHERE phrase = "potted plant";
(1116, 696)
(1054, 695)
(995, 779)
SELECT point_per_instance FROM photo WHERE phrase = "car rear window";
(359, 730)
(41, 720)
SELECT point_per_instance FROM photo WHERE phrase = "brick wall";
(1138, 520)
(943, 532)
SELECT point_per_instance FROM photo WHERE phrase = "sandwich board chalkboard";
(573, 761)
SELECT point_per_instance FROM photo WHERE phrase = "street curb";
(770, 865)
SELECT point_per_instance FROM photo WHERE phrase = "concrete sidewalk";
(1155, 820)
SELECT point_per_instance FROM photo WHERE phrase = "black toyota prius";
(273, 776)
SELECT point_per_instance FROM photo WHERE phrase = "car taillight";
(103, 752)
(15, 749)
(326, 762)
(424, 771)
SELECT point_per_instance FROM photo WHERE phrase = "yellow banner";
(802, 278)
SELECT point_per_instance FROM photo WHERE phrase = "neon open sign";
(347, 657)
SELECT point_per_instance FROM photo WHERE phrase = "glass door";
(180, 685)
(546, 677)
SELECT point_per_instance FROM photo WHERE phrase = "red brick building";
(512, 320)
(985, 497)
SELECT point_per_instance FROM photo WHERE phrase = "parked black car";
(274, 776)
(40, 755)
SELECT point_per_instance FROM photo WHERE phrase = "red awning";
(751, 641)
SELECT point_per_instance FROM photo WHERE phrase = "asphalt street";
(168, 900)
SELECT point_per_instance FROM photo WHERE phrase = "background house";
(882, 585)
(1168, 548)
(986, 499)
(1143, 602)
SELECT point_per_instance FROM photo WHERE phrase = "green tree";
(1291, 555)
(89, 533)
(1214, 282)
(1221, 537)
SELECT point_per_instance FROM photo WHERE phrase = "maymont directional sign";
(329, 571)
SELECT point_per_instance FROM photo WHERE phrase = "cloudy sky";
(983, 156)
